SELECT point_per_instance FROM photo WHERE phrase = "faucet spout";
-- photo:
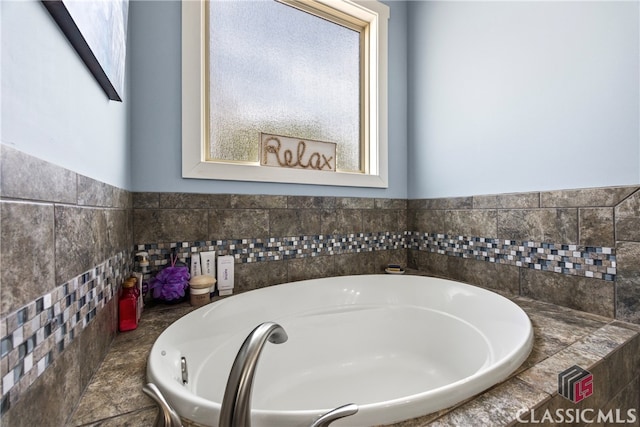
(236, 403)
(336, 414)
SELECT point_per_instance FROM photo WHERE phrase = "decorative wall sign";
(287, 152)
(97, 29)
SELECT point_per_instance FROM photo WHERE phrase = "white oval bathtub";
(397, 346)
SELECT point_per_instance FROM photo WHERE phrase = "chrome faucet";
(236, 403)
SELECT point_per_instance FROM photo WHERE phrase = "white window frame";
(194, 97)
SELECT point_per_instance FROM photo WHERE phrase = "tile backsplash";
(575, 248)
(274, 239)
(69, 241)
(38, 333)
(66, 244)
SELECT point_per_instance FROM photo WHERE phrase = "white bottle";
(208, 263)
(195, 265)
(225, 275)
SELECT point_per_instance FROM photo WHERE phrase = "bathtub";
(397, 346)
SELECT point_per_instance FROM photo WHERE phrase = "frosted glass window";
(280, 70)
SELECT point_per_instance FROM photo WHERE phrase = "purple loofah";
(170, 283)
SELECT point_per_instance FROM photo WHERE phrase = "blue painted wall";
(52, 107)
(522, 96)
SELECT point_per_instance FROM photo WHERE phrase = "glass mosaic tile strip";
(588, 261)
(38, 332)
(577, 260)
(275, 248)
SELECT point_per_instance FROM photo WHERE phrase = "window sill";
(248, 172)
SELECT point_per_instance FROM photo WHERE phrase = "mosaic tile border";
(576, 260)
(275, 249)
(38, 333)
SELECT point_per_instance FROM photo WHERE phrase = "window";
(313, 70)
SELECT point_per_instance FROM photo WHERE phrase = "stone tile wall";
(274, 239)
(576, 248)
(66, 247)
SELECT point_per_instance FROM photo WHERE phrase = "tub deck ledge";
(607, 348)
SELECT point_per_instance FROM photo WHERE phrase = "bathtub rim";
(480, 380)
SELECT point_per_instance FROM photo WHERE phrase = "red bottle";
(128, 306)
